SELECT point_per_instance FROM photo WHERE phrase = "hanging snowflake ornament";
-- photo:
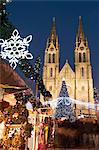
(15, 48)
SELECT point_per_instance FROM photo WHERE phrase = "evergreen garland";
(33, 74)
(6, 27)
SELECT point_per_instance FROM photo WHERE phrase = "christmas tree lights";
(64, 107)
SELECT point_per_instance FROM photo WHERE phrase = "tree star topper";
(15, 48)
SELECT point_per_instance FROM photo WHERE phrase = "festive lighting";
(13, 131)
(53, 103)
(33, 74)
(29, 106)
(64, 108)
(2, 128)
(15, 48)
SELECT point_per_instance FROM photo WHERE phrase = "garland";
(6, 28)
(33, 74)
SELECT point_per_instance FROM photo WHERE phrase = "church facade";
(79, 81)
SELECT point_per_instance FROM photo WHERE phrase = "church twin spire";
(53, 38)
(82, 52)
(53, 30)
(80, 34)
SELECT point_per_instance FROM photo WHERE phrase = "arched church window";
(49, 58)
(84, 57)
(53, 58)
(82, 72)
(79, 57)
(51, 72)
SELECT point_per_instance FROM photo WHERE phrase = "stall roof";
(10, 77)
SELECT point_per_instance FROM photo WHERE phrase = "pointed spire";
(53, 30)
(53, 38)
(66, 61)
(80, 33)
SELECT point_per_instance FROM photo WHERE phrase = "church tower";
(83, 71)
(51, 62)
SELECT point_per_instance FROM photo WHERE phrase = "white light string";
(53, 103)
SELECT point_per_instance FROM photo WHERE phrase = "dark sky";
(31, 17)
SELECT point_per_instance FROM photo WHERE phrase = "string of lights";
(53, 103)
(33, 73)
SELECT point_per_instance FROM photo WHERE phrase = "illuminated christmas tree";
(63, 91)
(64, 107)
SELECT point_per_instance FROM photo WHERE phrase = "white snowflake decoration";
(15, 48)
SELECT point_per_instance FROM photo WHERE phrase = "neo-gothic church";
(79, 81)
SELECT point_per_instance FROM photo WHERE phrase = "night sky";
(31, 17)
